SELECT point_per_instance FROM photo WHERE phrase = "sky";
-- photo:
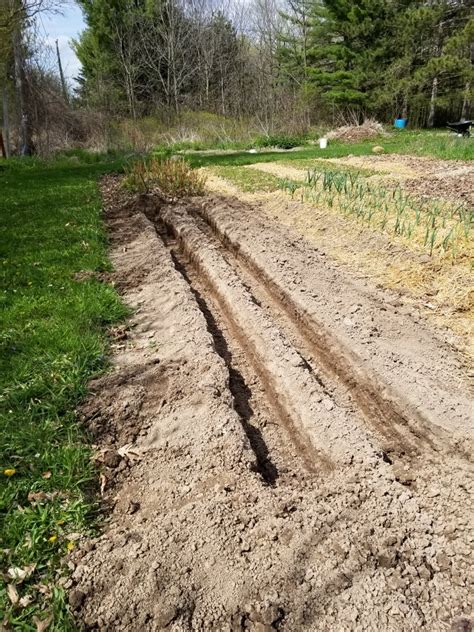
(62, 28)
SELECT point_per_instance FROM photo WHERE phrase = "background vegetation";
(214, 71)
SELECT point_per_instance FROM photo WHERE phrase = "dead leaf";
(4, 626)
(12, 593)
(43, 589)
(25, 601)
(42, 624)
(46, 474)
(34, 497)
(19, 574)
(130, 452)
(16, 573)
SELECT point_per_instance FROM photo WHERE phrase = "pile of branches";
(369, 129)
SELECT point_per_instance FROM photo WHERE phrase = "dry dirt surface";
(425, 177)
(284, 446)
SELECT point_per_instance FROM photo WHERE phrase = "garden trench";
(297, 445)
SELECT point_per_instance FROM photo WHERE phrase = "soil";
(424, 177)
(284, 445)
(440, 289)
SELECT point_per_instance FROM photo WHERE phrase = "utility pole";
(61, 74)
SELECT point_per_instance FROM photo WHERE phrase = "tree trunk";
(6, 122)
(61, 74)
(466, 104)
(434, 93)
(26, 132)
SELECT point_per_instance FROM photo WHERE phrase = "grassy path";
(52, 341)
(437, 144)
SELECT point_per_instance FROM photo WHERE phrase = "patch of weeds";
(323, 165)
(53, 340)
(249, 180)
(169, 176)
(282, 141)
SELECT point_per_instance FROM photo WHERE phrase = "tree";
(434, 63)
(15, 19)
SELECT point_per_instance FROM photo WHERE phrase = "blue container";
(400, 123)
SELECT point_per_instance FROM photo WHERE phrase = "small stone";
(443, 561)
(165, 616)
(328, 403)
(76, 598)
(133, 507)
(88, 546)
(111, 458)
(403, 474)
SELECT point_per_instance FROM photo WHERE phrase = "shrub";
(171, 177)
(283, 141)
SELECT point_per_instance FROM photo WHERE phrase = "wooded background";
(283, 64)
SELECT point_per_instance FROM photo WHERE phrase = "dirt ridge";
(389, 412)
(280, 365)
(199, 537)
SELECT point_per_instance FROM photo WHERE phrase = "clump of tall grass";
(168, 176)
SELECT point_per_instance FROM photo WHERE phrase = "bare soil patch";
(447, 179)
(293, 445)
(439, 287)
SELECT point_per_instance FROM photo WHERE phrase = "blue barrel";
(400, 123)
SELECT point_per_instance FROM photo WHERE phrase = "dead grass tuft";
(166, 176)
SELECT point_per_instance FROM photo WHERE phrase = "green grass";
(438, 144)
(321, 165)
(53, 339)
(249, 180)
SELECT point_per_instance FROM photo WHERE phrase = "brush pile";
(355, 133)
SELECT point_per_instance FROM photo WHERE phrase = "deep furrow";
(260, 414)
(266, 300)
(324, 433)
(404, 437)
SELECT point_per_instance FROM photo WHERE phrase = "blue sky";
(63, 27)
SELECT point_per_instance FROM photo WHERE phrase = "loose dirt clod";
(231, 519)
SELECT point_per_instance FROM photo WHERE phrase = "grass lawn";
(438, 144)
(53, 339)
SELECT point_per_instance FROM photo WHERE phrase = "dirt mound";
(355, 133)
(216, 427)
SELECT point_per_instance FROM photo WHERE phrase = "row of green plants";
(437, 225)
